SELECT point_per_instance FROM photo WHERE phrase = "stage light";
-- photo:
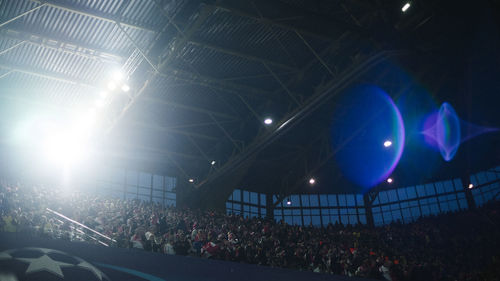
(406, 7)
(118, 75)
(268, 121)
(389, 180)
(312, 181)
(125, 88)
(471, 186)
(387, 143)
(191, 180)
(64, 149)
(100, 103)
(212, 163)
(111, 85)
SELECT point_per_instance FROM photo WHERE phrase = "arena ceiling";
(203, 76)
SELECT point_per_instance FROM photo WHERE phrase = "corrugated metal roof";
(211, 78)
(73, 66)
(53, 92)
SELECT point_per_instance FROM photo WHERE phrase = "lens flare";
(443, 130)
(357, 136)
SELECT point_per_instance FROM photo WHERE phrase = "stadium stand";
(453, 246)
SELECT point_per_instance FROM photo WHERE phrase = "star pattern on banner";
(46, 263)
(89, 267)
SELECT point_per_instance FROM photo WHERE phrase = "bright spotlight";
(268, 121)
(64, 149)
(288, 202)
(312, 181)
(191, 180)
(387, 143)
(112, 86)
(100, 103)
(103, 94)
(389, 180)
(118, 75)
(471, 186)
(213, 162)
(406, 7)
(125, 88)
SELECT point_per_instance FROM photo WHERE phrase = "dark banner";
(27, 258)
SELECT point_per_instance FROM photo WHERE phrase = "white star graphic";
(45, 263)
(5, 255)
(90, 267)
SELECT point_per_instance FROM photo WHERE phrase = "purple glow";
(443, 128)
(369, 155)
(400, 132)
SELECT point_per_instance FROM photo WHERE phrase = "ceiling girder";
(189, 107)
(97, 15)
(300, 14)
(175, 131)
(299, 113)
(48, 75)
(243, 55)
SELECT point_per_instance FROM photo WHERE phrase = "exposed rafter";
(243, 55)
(48, 75)
(296, 115)
(189, 107)
(136, 147)
(51, 42)
(211, 82)
(301, 16)
(97, 15)
(174, 131)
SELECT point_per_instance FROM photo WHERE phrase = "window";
(314, 200)
(262, 199)
(323, 200)
(350, 200)
(305, 200)
(332, 200)
(342, 200)
(359, 200)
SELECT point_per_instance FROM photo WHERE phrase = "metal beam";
(175, 131)
(189, 107)
(325, 65)
(290, 94)
(96, 14)
(48, 75)
(243, 55)
(94, 52)
(158, 150)
(22, 15)
(138, 48)
(179, 44)
(301, 74)
(226, 133)
(215, 83)
(298, 114)
(11, 47)
(205, 156)
(304, 16)
(72, 47)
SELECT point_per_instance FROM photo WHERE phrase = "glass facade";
(321, 209)
(486, 186)
(405, 204)
(130, 185)
(409, 203)
(246, 203)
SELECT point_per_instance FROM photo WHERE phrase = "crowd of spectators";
(458, 246)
